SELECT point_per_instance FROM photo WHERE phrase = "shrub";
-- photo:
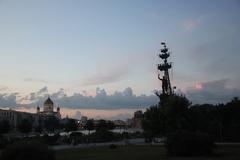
(76, 138)
(103, 136)
(125, 135)
(184, 143)
(3, 142)
(112, 146)
(25, 126)
(27, 151)
(4, 126)
(51, 140)
(148, 137)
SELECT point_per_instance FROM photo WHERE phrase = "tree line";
(221, 121)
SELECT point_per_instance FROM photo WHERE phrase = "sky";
(103, 54)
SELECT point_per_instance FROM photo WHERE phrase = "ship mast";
(164, 67)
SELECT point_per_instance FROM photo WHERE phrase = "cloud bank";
(217, 91)
(212, 92)
(102, 100)
(7, 100)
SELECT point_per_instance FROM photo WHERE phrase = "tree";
(220, 121)
(175, 109)
(105, 125)
(4, 126)
(76, 138)
(232, 120)
(71, 125)
(38, 129)
(89, 125)
(169, 116)
(51, 123)
(154, 121)
(25, 126)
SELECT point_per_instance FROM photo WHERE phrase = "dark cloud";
(124, 99)
(42, 91)
(36, 96)
(8, 100)
(102, 100)
(212, 92)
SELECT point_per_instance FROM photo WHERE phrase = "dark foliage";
(154, 121)
(112, 146)
(175, 113)
(3, 142)
(38, 129)
(51, 140)
(103, 136)
(25, 126)
(51, 123)
(76, 138)
(185, 143)
(169, 117)
(27, 151)
(221, 121)
(105, 125)
(71, 125)
(125, 135)
(4, 126)
(89, 125)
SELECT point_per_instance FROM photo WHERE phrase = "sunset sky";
(103, 53)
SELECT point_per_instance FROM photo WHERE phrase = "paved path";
(123, 143)
(120, 143)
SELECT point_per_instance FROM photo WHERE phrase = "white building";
(15, 117)
(48, 109)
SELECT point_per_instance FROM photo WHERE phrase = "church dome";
(48, 102)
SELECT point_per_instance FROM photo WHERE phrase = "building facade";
(48, 109)
(15, 117)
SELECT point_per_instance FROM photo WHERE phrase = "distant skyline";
(75, 50)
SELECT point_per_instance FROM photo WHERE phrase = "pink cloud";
(192, 24)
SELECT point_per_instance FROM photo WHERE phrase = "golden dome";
(48, 102)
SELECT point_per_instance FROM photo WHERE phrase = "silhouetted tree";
(231, 120)
(71, 125)
(76, 138)
(105, 125)
(220, 121)
(4, 126)
(175, 109)
(204, 118)
(89, 125)
(38, 129)
(154, 122)
(170, 116)
(51, 123)
(25, 126)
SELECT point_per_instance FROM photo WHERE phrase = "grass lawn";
(141, 153)
(105, 153)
